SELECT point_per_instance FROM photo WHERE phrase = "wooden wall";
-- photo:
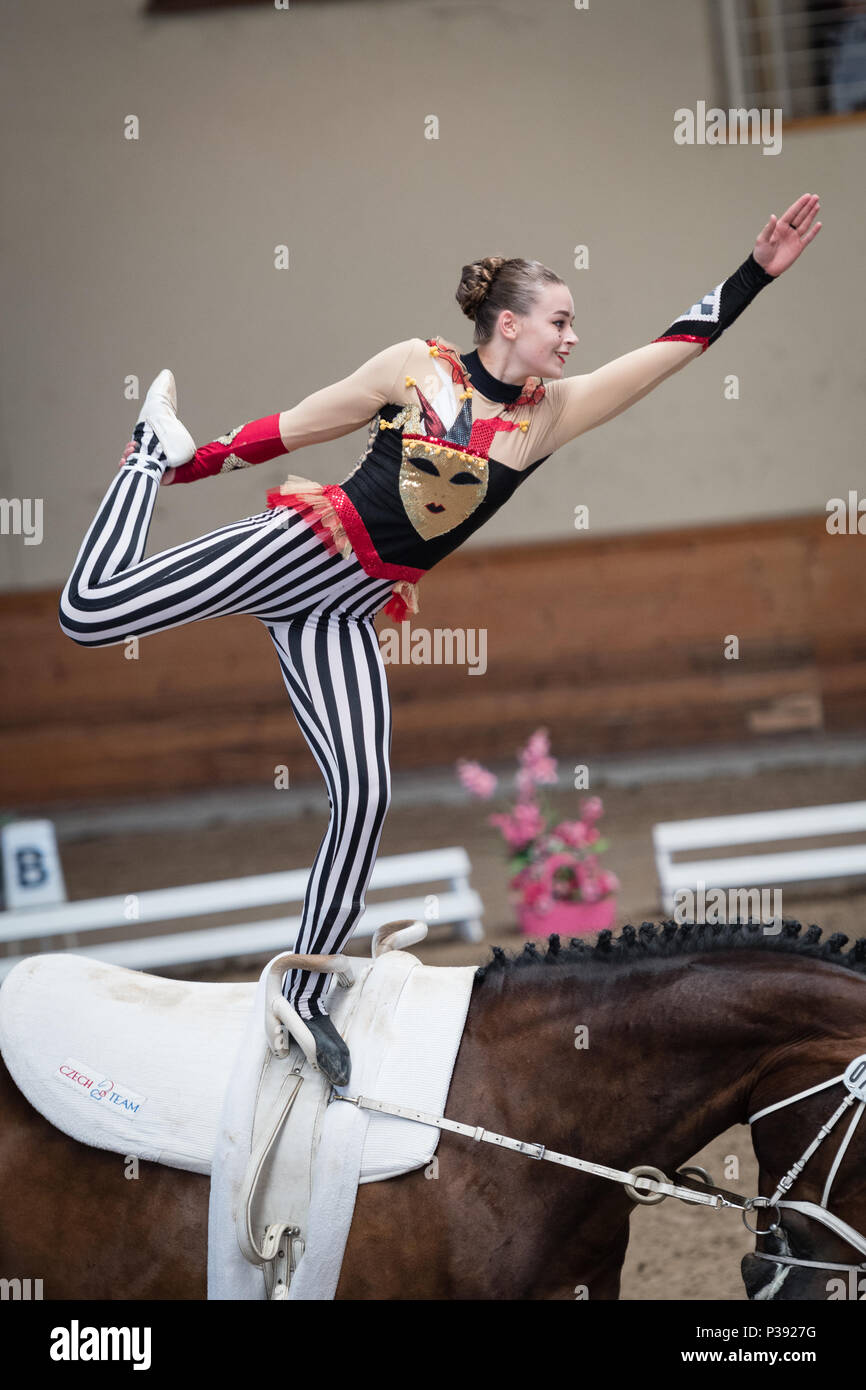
(614, 645)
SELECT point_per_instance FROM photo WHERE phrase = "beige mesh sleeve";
(346, 405)
(583, 402)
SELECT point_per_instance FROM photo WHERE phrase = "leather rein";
(649, 1185)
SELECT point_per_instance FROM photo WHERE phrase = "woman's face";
(544, 338)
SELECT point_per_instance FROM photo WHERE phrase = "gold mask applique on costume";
(440, 485)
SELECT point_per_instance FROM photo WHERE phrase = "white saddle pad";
(121, 1060)
(170, 1071)
(138, 1064)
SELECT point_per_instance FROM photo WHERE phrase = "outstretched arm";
(327, 414)
(584, 402)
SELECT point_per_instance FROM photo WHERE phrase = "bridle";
(649, 1185)
(854, 1080)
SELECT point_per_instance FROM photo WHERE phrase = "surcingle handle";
(396, 936)
(280, 1018)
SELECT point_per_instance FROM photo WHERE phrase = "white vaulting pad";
(137, 1064)
(416, 1068)
(121, 1060)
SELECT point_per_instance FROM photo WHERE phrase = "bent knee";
(89, 639)
(68, 617)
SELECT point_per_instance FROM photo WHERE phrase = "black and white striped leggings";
(318, 609)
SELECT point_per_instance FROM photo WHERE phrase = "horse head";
(811, 1147)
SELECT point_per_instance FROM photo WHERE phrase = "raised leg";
(269, 564)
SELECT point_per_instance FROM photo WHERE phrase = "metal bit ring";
(647, 1198)
(695, 1172)
(772, 1228)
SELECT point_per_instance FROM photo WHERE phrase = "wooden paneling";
(613, 644)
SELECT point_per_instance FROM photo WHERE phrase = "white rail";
(459, 907)
(756, 869)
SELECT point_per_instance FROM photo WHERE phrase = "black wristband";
(707, 320)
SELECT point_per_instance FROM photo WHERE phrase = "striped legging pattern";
(318, 609)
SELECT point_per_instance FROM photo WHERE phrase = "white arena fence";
(756, 869)
(65, 926)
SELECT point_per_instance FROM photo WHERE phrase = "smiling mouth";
(435, 507)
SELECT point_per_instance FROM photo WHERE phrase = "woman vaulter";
(450, 438)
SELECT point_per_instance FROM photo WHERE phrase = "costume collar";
(495, 390)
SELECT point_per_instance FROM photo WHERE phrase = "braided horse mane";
(669, 940)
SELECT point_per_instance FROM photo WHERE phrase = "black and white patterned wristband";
(707, 320)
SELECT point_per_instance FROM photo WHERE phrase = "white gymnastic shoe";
(160, 412)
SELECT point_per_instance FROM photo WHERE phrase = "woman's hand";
(168, 474)
(783, 239)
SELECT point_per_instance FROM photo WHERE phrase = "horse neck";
(676, 1050)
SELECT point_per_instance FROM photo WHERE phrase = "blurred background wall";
(307, 127)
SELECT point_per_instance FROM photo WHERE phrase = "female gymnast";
(450, 438)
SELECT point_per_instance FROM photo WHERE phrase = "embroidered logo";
(100, 1087)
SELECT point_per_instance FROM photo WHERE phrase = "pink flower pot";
(568, 919)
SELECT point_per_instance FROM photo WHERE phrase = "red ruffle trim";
(330, 514)
(404, 602)
(326, 530)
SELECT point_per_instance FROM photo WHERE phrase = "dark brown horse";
(689, 1030)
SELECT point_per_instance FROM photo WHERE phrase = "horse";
(639, 1049)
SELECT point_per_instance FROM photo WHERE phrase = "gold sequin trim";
(227, 438)
(372, 431)
(231, 462)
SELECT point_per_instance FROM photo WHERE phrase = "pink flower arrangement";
(550, 863)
